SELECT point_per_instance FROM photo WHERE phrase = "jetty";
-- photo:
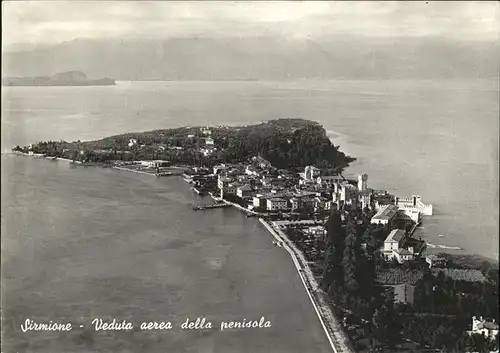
(210, 206)
(198, 191)
(164, 174)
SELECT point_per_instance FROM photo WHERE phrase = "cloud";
(52, 22)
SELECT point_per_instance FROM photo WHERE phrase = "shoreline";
(333, 330)
(494, 261)
(133, 171)
(239, 207)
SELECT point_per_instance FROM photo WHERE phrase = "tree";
(350, 256)
(331, 268)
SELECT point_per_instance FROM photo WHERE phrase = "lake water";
(79, 243)
(438, 139)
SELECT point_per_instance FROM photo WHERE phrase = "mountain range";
(259, 58)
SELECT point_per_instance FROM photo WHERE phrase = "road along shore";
(332, 327)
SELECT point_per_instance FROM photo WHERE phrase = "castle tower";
(362, 182)
(308, 173)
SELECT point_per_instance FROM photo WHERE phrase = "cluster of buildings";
(413, 208)
(263, 188)
(209, 144)
(489, 329)
(400, 246)
(266, 189)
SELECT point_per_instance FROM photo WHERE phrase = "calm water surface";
(79, 243)
(438, 139)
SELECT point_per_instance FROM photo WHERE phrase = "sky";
(51, 22)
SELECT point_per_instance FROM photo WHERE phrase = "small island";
(68, 78)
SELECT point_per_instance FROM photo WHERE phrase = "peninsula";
(68, 78)
(370, 281)
(286, 143)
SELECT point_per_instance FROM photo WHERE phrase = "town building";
(295, 203)
(403, 255)
(307, 202)
(155, 163)
(226, 186)
(385, 214)
(262, 163)
(220, 168)
(317, 231)
(414, 202)
(251, 170)
(209, 141)
(382, 198)
(279, 182)
(260, 200)
(344, 193)
(267, 180)
(395, 240)
(311, 173)
(132, 142)
(233, 172)
(244, 191)
(321, 204)
(412, 213)
(328, 180)
(206, 151)
(482, 327)
(397, 246)
(365, 198)
(434, 260)
(276, 204)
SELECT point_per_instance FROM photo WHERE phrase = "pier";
(164, 174)
(208, 207)
(198, 191)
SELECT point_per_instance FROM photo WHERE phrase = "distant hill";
(260, 58)
(68, 78)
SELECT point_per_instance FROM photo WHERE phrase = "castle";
(413, 203)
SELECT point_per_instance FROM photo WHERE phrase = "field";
(398, 276)
(466, 275)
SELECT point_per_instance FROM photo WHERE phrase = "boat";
(441, 235)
